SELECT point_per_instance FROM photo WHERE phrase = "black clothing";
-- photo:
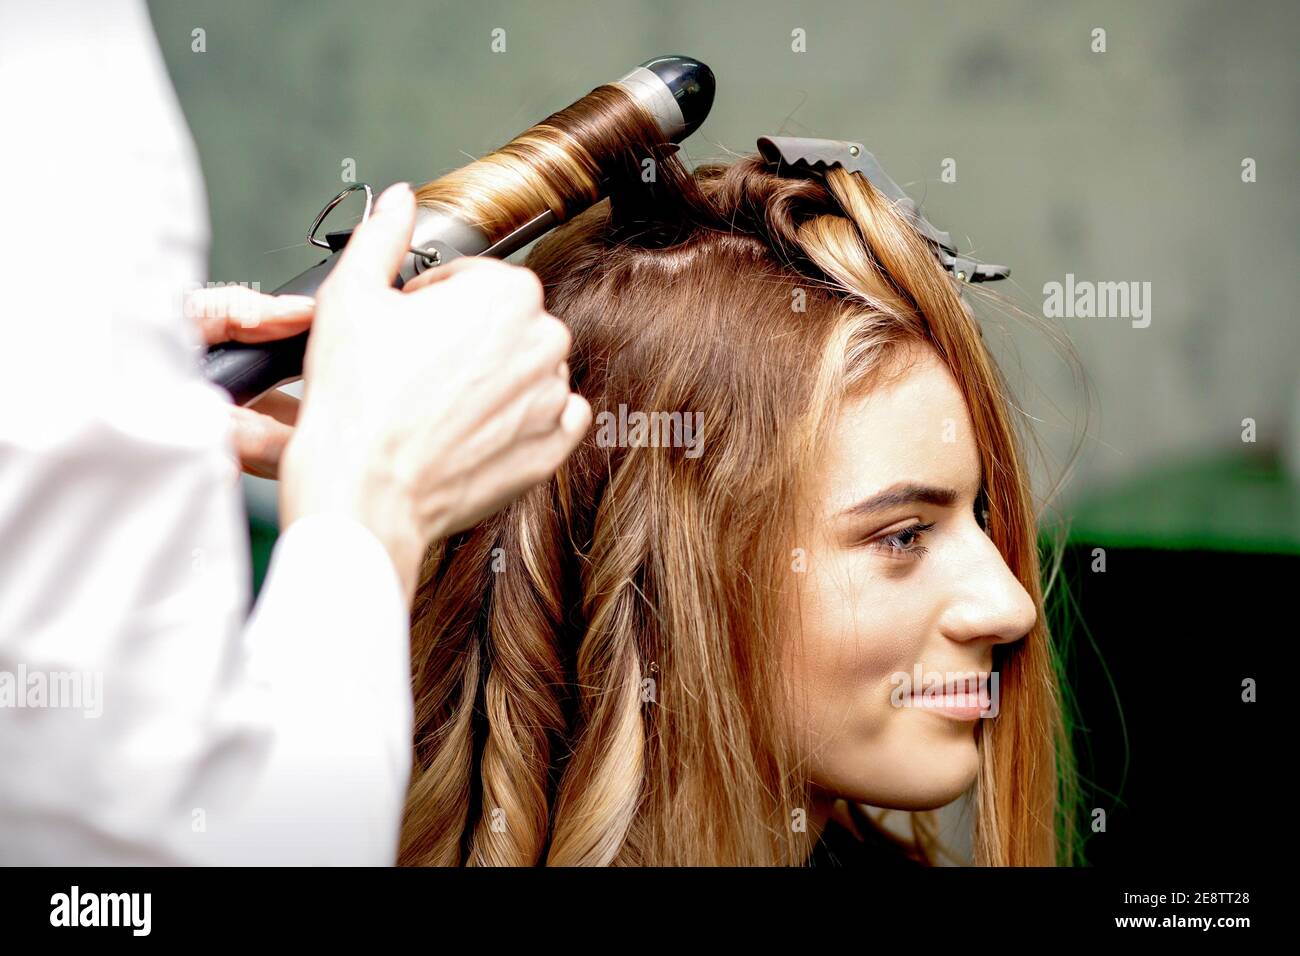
(839, 847)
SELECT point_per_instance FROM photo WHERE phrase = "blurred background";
(1117, 164)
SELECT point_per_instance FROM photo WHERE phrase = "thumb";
(375, 250)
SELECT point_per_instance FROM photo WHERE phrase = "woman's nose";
(987, 601)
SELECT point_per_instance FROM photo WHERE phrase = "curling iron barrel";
(676, 91)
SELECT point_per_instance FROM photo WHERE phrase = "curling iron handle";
(248, 371)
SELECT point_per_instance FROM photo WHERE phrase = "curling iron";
(676, 90)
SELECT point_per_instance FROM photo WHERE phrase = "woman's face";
(900, 582)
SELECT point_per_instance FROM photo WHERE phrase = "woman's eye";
(905, 542)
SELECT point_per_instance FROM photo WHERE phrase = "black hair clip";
(810, 154)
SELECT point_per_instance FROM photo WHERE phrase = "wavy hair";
(597, 667)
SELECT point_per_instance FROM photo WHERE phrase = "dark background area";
(1182, 766)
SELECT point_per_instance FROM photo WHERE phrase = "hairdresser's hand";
(428, 409)
(239, 314)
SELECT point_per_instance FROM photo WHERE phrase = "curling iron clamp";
(676, 90)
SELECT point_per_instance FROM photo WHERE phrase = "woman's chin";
(930, 775)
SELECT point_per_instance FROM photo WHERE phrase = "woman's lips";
(961, 706)
(955, 694)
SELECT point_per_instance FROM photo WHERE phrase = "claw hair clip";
(819, 155)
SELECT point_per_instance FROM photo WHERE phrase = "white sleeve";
(318, 735)
(142, 719)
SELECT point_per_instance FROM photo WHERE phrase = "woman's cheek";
(859, 631)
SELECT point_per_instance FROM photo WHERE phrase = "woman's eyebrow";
(902, 494)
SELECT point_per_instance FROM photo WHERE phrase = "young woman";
(698, 644)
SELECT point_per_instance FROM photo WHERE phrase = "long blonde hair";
(594, 665)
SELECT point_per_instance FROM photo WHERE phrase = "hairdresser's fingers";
(259, 441)
(374, 252)
(240, 314)
(281, 406)
(575, 420)
(535, 411)
(531, 414)
(453, 268)
(547, 405)
(501, 296)
(561, 432)
(535, 459)
(503, 400)
(521, 465)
